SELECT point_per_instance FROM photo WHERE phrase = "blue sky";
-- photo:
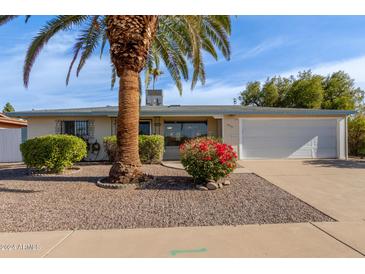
(262, 46)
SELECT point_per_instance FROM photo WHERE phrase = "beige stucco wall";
(38, 126)
(231, 131)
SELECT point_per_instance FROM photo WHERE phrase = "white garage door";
(288, 138)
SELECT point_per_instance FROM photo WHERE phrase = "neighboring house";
(254, 132)
(12, 133)
(7, 122)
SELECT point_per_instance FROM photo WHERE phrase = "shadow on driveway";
(337, 163)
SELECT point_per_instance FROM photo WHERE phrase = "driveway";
(336, 187)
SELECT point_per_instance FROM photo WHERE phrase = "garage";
(271, 138)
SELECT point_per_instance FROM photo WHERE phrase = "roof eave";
(182, 112)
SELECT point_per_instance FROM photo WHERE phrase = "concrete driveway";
(335, 187)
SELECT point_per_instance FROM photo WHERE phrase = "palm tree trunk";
(130, 39)
(127, 167)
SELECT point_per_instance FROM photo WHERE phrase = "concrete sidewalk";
(275, 240)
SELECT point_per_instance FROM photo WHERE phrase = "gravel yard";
(73, 201)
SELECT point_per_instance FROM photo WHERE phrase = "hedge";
(151, 148)
(53, 153)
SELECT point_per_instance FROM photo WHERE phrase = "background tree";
(340, 92)
(251, 96)
(356, 129)
(306, 91)
(136, 42)
(8, 108)
(154, 74)
(270, 93)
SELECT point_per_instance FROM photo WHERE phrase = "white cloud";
(262, 47)
(214, 93)
(354, 67)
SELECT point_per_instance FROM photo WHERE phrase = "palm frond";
(179, 44)
(6, 18)
(194, 26)
(91, 41)
(168, 57)
(63, 22)
(103, 35)
(27, 17)
(113, 78)
(77, 48)
(218, 32)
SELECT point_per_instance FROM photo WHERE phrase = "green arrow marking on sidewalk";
(180, 251)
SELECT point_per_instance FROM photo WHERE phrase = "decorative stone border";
(139, 185)
(173, 165)
(68, 171)
(213, 185)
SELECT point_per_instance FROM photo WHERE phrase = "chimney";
(154, 97)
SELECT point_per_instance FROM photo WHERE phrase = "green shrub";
(53, 153)
(207, 158)
(151, 148)
(110, 146)
(356, 129)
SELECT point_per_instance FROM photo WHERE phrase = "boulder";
(212, 185)
(201, 187)
(226, 183)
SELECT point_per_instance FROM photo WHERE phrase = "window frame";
(87, 124)
(183, 122)
(113, 125)
(146, 121)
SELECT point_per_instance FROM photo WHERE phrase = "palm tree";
(136, 43)
(155, 72)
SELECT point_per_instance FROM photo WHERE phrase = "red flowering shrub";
(206, 158)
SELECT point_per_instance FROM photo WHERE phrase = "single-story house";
(254, 132)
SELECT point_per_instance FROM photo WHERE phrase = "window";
(144, 127)
(177, 133)
(77, 128)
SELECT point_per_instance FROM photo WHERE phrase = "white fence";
(10, 139)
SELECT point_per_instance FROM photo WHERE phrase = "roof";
(11, 121)
(177, 110)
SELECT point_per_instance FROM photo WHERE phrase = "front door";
(177, 133)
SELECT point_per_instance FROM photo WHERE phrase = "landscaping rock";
(226, 183)
(249, 199)
(201, 187)
(212, 185)
(220, 185)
